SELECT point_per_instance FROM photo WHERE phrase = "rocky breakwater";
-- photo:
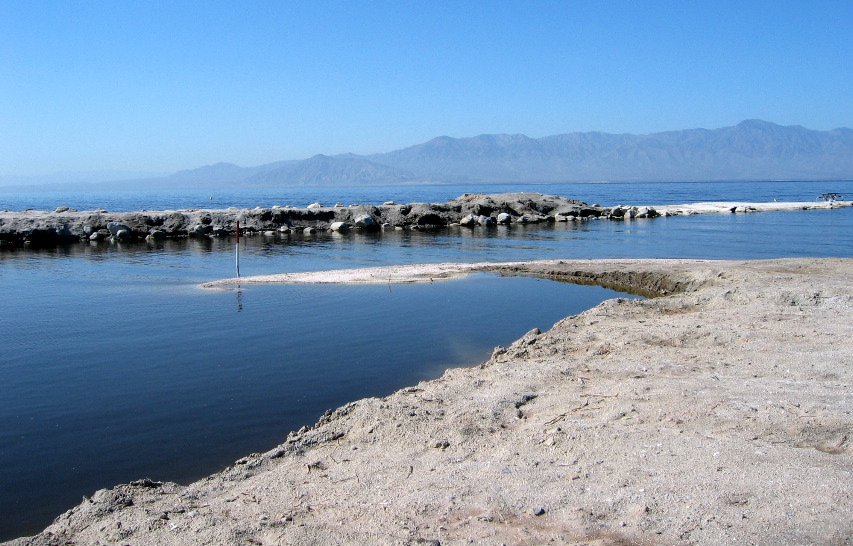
(65, 225)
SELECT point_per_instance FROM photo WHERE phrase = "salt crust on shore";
(727, 206)
(720, 413)
(407, 274)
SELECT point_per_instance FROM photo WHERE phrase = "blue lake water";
(114, 366)
(604, 193)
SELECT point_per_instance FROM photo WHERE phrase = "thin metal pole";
(237, 248)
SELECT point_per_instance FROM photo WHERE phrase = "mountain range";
(751, 150)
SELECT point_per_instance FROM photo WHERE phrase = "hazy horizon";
(138, 87)
(751, 150)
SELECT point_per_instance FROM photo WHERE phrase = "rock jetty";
(64, 225)
(472, 210)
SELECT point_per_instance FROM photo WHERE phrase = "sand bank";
(720, 413)
(416, 273)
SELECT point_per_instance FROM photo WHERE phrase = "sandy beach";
(718, 413)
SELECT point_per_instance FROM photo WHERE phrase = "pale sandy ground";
(721, 413)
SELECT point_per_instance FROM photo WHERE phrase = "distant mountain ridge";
(751, 150)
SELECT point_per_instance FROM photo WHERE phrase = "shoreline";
(718, 412)
(68, 226)
(427, 273)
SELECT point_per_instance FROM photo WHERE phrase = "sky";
(156, 87)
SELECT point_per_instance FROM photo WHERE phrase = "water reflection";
(761, 235)
(79, 384)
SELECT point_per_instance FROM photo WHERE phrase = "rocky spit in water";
(64, 225)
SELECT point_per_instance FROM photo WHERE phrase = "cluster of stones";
(629, 213)
(64, 225)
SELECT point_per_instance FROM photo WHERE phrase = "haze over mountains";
(751, 150)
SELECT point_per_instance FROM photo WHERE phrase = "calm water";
(113, 366)
(607, 194)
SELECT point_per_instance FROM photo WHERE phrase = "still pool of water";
(106, 379)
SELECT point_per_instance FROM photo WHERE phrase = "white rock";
(468, 221)
(365, 221)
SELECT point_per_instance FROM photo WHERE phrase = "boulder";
(315, 206)
(647, 212)
(339, 226)
(618, 212)
(157, 235)
(123, 235)
(365, 221)
(468, 220)
(115, 227)
(309, 230)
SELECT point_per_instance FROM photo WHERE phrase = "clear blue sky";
(157, 86)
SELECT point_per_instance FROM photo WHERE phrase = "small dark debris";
(442, 444)
(525, 399)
